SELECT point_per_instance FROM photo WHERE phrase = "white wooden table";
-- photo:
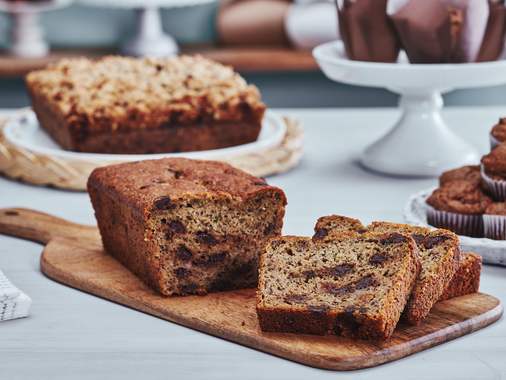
(73, 335)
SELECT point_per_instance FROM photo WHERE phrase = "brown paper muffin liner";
(496, 188)
(494, 226)
(493, 141)
(461, 224)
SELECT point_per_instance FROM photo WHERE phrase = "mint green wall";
(81, 26)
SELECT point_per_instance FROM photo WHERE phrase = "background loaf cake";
(145, 105)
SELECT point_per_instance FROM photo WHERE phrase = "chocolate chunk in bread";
(198, 231)
(348, 292)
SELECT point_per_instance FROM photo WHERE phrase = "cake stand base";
(27, 36)
(420, 144)
(150, 40)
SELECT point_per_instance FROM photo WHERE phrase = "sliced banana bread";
(336, 224)
(186, 226)
(439, 255)
(351, 285)
(467, 278)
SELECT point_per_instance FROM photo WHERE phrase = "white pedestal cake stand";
(149, 39)
(27, 37)
(420, 143)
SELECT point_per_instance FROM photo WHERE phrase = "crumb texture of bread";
(467, 278)
(439, 256)
(186, 226)
(350, 285)
(145, 105)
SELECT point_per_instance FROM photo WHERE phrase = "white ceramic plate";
(335, 64)
(25, 132)
(492, 251)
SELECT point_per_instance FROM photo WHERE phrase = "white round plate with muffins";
(492, 251)
(470, 201)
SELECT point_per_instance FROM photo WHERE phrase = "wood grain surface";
(247, 59)
(74, 256)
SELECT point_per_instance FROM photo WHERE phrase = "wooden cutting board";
(74, 256)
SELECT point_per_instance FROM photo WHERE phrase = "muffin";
(458, 206)
(493, 40)
(494, 221)
(498, 133)
(366, 31)
(439, 31)
(493, 172)
(470, 173)
(438, 25)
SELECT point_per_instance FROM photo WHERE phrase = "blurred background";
(249, 34)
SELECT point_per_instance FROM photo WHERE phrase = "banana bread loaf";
(133, 105)
(351, 285)
(186, 226)
(439, 255)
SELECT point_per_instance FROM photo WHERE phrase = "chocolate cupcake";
(458, 206)
(493, 172)
(429, 31)
(366, 31)
(494, 221)
(493, 41)
(447, 31)
(469, 173)
(498, 133)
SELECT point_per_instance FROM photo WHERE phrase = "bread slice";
(336, 224)
(467, 278)
(351, 285)
(439, 255)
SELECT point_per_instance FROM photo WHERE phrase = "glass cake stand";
(150, 39)
(27, 37)
(420, 143)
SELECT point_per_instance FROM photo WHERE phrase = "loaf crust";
(130, 105)
(186, 226)
(467, 278)
(439, 256)
(335, 291)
